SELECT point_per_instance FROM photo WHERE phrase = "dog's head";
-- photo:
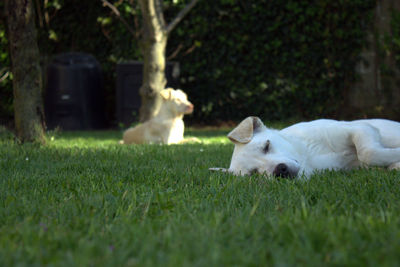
(176, 101)
(261, 150)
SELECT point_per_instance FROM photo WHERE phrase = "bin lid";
(74, 58)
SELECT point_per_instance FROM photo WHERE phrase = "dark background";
(280, 60)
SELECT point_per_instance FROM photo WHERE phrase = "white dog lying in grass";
(303, 148)
(167, 126)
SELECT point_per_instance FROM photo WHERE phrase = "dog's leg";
(394, 166)
(370, 151)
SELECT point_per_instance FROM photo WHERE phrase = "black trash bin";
(129, 81)
(74, 97)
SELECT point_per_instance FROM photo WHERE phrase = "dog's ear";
(166, 93)
(243, 133)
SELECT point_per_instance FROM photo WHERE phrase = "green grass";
(84, 200)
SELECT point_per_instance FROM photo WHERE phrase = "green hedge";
(276, 59)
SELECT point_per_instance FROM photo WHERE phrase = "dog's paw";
(218, 169)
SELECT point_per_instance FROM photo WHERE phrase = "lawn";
(84, 200)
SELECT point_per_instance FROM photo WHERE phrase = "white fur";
(307, 147)
(167, 126)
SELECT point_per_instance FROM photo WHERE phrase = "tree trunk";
(153, 76)
(27, 81)
(153, 44)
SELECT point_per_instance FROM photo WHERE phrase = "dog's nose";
(282, 170)
(189, 108)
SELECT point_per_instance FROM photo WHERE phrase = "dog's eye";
(266, 147)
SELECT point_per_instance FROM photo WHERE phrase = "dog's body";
(303, 148)
(167, 126)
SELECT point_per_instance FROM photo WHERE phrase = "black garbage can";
(74, 96)
(129, 81)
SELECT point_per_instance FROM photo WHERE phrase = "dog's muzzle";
(283, 171)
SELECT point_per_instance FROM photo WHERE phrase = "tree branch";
(118, 14)
(4, 75)
(175, 53)
(152, 17)
(180, 16)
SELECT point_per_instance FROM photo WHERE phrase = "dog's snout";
(282, 170)
(189, 108)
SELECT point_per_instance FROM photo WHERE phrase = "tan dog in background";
(167, 126)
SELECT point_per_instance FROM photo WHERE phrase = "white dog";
(167, 126)
(303, 148)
